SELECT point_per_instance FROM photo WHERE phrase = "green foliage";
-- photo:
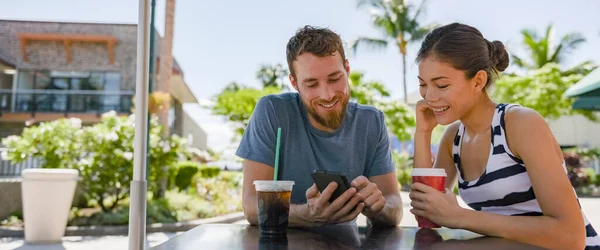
(184, 177)
(183, 174)
(159, 211)
(542, 49)
(222, 191)
(209, 171)
(541, 90)
(398, 116)
(216, 196)
(403, 168)
(273, 76)
(237, 106)
(103, 154)
(53, 142)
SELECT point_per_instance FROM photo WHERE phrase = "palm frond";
(583, 68)
(421, 32)
(572, 40)
(372, 43)
(520, 62)
(369, 3)
(418, 12)
(385, 24)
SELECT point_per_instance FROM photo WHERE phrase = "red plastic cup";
(433, 177)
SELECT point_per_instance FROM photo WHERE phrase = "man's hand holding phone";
(345, 208)
(372, 196)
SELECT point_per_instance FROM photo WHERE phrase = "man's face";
(322, 83)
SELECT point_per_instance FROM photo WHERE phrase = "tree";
(542, 90)
(237, 106)
(541, 49)
(398, 20)
(398, 116)
(273, 76)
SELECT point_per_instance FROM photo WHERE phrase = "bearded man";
(321, 130)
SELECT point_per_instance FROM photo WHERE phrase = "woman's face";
(447, 90)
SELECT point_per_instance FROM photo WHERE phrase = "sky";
(217, 42)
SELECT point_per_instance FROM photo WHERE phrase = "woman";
(509, 167)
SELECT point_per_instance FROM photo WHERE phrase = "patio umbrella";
(137, 206)
(586, 92)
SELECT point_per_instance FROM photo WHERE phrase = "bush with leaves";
(103, 154)
(542, 90)
(183, 174)
(55, 143)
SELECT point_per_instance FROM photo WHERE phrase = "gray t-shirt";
(361, 145)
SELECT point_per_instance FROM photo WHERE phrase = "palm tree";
(272, 76)
(542, 49)
(398, 20)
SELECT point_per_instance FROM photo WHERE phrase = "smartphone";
(323, 178)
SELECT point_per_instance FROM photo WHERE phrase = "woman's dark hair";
(465, 48)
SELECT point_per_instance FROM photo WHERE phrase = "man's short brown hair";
(318, 41)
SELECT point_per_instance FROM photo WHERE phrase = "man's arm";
(380, 191)
(391, 214)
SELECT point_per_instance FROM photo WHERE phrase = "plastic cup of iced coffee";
(273, 201)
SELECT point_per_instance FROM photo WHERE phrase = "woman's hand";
(425, 118)
(440, 208)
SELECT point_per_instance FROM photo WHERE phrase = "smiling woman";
(517, 190)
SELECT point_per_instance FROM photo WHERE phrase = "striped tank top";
(504, 187)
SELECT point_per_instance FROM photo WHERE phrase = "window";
(58, 80)
(54, 100)
(25, 80)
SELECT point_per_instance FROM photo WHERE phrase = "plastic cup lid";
(274, 185)
(428, 172)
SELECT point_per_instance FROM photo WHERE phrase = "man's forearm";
(391, 215)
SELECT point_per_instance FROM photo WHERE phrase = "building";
(50, 70)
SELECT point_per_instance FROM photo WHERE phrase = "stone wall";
(10, 197)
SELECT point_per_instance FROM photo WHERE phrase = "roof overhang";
(587, 84)
(181, 91)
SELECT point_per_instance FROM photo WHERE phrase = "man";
(321, 130)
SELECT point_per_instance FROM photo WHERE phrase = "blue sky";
(217, 42)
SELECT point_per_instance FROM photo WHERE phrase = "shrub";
(185, 174)
(103, 154)
(209, 171)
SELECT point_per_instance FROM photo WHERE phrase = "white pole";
(137, 206)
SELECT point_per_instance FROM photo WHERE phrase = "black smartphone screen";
(323, 178)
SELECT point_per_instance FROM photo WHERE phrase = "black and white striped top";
(504, 187)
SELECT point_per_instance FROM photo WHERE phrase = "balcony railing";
(61, 101)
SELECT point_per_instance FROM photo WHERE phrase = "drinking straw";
(275, 174)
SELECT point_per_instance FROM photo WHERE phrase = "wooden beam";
(67, 44)
(68, 39)
(24, 49)
(111, 52)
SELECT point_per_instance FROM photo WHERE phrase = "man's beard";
(332, 120)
